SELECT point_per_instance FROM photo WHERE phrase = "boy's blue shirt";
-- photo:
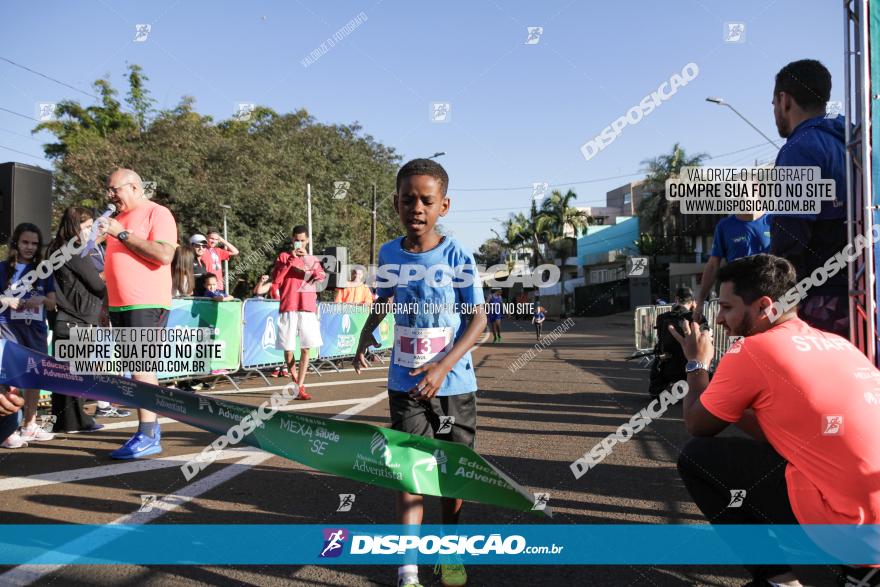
(455, 303)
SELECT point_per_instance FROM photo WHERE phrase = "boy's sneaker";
(452, 575)
(303, 394)
(138, 446)
(112, 412)
(34, 433)
(14, 441)
(281, 372)
(408, 582)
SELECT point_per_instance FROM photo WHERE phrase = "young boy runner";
(538, 319)
(494, 314)
(431, 373)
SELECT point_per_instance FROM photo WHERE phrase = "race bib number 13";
(414, 347)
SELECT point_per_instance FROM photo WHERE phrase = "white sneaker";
(14, 441)
(34, 433)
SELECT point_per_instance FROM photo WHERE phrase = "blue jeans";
(9, 424)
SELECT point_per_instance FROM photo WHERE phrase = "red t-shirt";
(213, 258)
(296, 295)
(817, 400)
(132, 281)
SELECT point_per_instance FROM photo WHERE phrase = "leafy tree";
(260, 166)
(657, 215)
(557, 214)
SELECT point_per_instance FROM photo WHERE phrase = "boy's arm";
(435, 373)
(367, 339)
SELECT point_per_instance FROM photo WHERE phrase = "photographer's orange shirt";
(817, 399)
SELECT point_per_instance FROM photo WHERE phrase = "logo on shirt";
(737, 497)
(832, 425)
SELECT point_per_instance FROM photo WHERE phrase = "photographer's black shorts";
(423, 417)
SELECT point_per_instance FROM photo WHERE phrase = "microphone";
(90, 244)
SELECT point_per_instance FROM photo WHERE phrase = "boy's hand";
(10, 402)
(430, 384)
(360, 359)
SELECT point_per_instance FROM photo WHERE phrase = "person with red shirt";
(809, 399)
(293, 282)
(213, 256)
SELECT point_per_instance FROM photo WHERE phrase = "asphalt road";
(532, 424)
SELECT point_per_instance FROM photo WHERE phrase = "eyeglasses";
(199, 246)
(114, 190)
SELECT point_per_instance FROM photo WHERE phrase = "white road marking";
(308, 386)
(112, 470)
(35, 570)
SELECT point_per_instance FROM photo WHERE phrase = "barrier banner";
(341, 326)
(365, 453)
(259, 333)
(223, 317)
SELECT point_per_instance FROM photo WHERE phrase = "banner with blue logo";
(514, 544)
(259, 333)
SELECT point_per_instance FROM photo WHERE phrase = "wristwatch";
(694, 366)
(123, 236)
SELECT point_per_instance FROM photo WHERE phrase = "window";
(627, 198)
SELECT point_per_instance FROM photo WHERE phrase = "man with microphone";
(141, 239)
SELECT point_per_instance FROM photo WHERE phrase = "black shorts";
(423, 417)
(140, 318)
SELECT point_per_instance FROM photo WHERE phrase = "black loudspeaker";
(25, 196)
(333, 259)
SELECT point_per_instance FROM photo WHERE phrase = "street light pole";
(373, 230)
(226, 238)
(721, 102)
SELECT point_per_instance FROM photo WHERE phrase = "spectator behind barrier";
(213, 291)
(24, 320)
(182, 278)
(80, 296)
(199, 245)
(356, 292)
(808, 398)
(219, 249)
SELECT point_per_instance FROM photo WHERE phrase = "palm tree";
(655, 211)
(557, 214)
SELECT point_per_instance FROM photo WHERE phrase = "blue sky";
(519, 112)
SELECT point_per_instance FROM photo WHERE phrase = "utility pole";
(373, 230)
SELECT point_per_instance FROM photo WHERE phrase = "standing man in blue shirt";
(800, 96)
(737, 236)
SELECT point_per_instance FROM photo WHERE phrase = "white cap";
(198, 239)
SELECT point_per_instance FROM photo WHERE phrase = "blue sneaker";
(139, 445)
